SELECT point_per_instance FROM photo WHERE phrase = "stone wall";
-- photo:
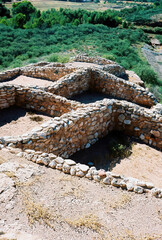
(101, 81)
(79, 129)
(49, 72)
(71, 84)
(42, 101)
(43, 70)
(118, 88)
(9, 74)
(35, 99)
(7, 96)
(96, 60)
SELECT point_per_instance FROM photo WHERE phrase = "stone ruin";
(129, 107)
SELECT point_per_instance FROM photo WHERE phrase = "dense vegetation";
(25, 15)
(114, 43)
(26, 34)
(142, 15)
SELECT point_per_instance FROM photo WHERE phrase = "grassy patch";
(58, 58)
(89, 221)
(36, 119)
(36, 212)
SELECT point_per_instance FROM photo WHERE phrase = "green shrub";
(57, 58)
(147, 74)
(53, 58)
(109, 57)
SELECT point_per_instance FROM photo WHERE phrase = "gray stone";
(73, 171)
(123, 184)
(129, 186)
(107, 180)
(149, 185)
(59, 160)
(96, 178)
(84, 168)
(59, 166)
(20, 154)
(87, 145)
(138, 189)
(89, 176)
(127, 122)
(115, 183)
(70, 162)
(80, 174)
(52, 164)
(121, 117)
(142, 137)
(157, 192)
(66, 168)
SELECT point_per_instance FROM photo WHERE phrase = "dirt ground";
(48, 204)
(16, 121)
(145, 163)
(30, 81)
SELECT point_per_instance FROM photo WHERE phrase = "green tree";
(4, 12)
(19, 20)
(25, 8)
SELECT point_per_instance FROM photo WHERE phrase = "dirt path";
(154, 59)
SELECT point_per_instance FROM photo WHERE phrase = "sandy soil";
(16, 121)
(30, 81)
(71, 208)
(145, 163)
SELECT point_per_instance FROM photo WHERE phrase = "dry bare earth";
(43, 203)
(91, 6)
(16, 121)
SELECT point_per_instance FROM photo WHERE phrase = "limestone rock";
(107, 180)
(138, 189)
(129, 186)
(84, 168)
(70, 162)
(52, 164)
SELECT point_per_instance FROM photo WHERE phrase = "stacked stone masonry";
(77, 126)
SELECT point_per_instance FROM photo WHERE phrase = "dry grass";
(127, 235)
(2, 160)
(70, 187)
(10, 174)
(90, 221)
(36, 212)
(120, 201)
(36, 118)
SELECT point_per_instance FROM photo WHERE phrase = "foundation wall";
(107, 83)
(49, 72)
(71, 84)
(101, 81)
(7, 96)
(43, 101)
(44, 70)
(81, 128)
(96, 60)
